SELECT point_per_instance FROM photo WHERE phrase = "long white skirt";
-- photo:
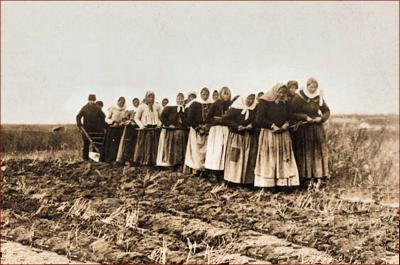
(196, 150)
(275, 163)
(216, 147)
(159, 161)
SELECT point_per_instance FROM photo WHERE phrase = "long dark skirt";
(172, 147)
(275, 163)
(146, 147)
(111, 143)
(241, 154)
(310, 151)
(127, 144)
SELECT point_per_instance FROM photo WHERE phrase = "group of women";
(271, 140)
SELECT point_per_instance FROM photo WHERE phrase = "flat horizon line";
(336, 115)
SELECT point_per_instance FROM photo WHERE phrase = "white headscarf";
(115, 114)
(116, 107)
(201, 101)
(240, 103)
(317, 93)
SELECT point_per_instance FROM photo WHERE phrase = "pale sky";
(55, 54)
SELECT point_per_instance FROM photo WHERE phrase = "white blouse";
(144, 116)
(116, 114)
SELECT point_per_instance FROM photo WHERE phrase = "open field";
(20, 138)
(108, 213)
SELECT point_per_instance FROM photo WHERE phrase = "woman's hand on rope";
(318, 120)
(285, 126)
(275, 128)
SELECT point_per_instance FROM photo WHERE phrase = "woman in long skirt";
(275, 164)
(115, 117)
(147, 118)
(197, 141)
(128, 138)
(241, 151)
(309, 106)
(173, 136)
(218, 135)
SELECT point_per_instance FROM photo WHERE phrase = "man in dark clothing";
(100, 104)
(93, 123)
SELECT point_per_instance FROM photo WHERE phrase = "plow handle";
(82, 130)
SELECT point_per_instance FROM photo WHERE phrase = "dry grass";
(28, 138)
(159, 255)
(361, 158)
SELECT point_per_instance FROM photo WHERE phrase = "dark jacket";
(217, 110)
(233, 119)
(197, 114)
(269, 113)
(170, 116)
(93, 118)
(301, 106)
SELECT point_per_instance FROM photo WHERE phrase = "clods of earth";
(120, 214)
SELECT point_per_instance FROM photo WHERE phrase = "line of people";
(272, 139)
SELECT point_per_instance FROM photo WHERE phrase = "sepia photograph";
(199, 132)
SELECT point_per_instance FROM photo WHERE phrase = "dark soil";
(104, 213)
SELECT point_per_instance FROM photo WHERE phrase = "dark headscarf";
(291, 83)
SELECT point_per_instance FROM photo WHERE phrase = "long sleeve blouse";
(217, 110)
(115, 114)
(145, 117)
(269, 113)
(197, 114)
(234, 118)
(301, 106)
(171, 116)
